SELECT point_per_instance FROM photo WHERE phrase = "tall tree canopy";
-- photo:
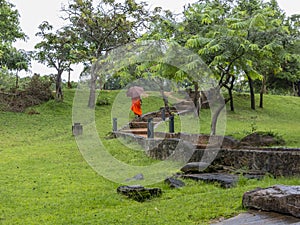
(103, 27)
(56, 50)
(10, 30)
(234, 38)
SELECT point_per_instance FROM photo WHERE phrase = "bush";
(39, 88)
(35, 92)
(103, 101)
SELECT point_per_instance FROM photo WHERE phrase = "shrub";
(35, 92)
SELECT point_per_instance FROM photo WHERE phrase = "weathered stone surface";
(172, 149)
(261, 139)
(202, 139)
(139, 193)
(174, 183)
(279, 198)
(194, 167)
(276, 161)
(258, 175)
(140, 124)
(225, 180)
(77, 129)
(258, 218)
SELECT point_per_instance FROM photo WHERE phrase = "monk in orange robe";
(136, 104)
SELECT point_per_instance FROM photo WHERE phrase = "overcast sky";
(34, 12)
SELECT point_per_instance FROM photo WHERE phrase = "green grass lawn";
(44, 179)
(280, 115)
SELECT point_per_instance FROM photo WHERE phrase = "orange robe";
(136, 106)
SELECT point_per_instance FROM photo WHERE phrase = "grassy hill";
(280, 115)
(45, 180)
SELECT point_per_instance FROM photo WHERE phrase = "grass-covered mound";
(34, 92)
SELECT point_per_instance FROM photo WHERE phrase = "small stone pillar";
(77, 129)
(163, 114)
(171, 124)
(115, 124)
(150, 128)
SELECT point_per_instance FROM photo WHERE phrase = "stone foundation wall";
(222, 142)
(276, 161)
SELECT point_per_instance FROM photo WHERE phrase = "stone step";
(138, 125)
(258, 218)
(225, 180)
(136, 131)
(207, 146)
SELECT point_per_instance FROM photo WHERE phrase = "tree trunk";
(92, 97)
(221, 104)
(165, 98)
(231, 99)
(252, 96)
(69, 79)
(17, 80)
(101, 84)
(59, 93)
(262, 92)
(215, 120)
(196, 98)
(298, 88)
(228, 84)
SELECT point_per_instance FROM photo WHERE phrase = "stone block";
(139, 193)
(279, 198)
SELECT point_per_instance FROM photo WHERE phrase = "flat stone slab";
(278, 198)
(139, 193)
(174, 183)
(194, 167)
(225, 180)
(260, 218)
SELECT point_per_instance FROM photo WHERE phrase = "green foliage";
(104, 98)
(7, 80)
(56, 49)
(36, 91)
(10, 31)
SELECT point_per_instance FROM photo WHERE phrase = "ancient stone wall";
(276, 161)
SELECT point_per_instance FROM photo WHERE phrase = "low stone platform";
(139, 193)
(225, 180)
(275, 161)
(279, 198)
(260, 218)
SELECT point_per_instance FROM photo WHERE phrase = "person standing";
(136, 106)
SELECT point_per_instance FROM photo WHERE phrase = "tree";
(232, 37)
(103, 28)
(290, 62)
(17, 60)
(207, 31)
(164, 26)
(9, 23)
(57, 51)
(10, 30)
